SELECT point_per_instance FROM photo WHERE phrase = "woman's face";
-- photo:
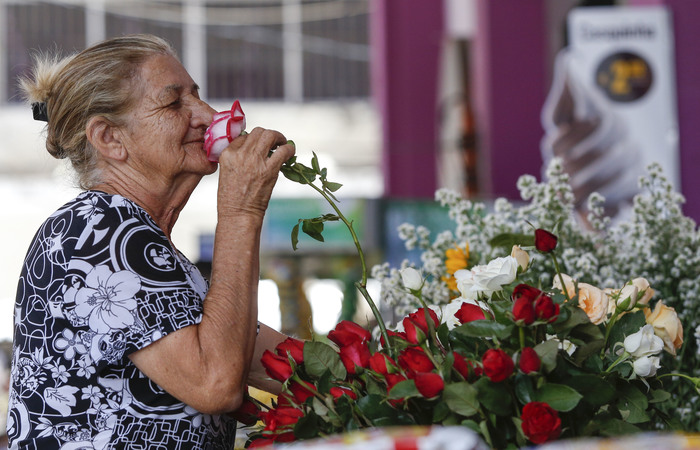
(164, 133)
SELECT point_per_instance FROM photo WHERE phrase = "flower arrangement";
(496, 336)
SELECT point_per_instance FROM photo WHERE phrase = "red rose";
(469, 312)
(527, 291)
(545, 241)
(546, 309)
(414, 359)
(247, 413)
(393, 334)
(277, 367)
(392, 379)
(339, 391)
(260, 442)
(529, 360)
(294, 347)
(497, 365)
(347, 332)
(355, 355)
(540, 422)
(464, 367)
(429, 384)
(381, 363)
(280, 417)
(416, 325)
(523, 311)
(300, 392)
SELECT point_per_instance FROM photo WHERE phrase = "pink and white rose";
(224, 128)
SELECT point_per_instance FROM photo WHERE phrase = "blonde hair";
(95, 82)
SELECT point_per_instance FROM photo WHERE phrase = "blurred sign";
(626, 54)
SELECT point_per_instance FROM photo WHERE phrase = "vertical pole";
(293, 51)
(510, 51)
(406, 37)
(4, 66)
(95, 21)
(194, 40)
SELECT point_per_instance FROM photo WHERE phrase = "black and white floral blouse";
(99, 282)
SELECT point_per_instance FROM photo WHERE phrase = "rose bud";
(469, 312)
(277, 367)
(392, 336)
(339, 391)
(429, 384)
(497, 365)
(521, 256)
(355, 355)
(347, 332)
(546, 309)
(411, 279)
(247, 413)
(461, 365)
(224, 128)
(293, 347)
(545, 241)
(302, 391)
(413, 360)
(527, 291)
(523, 311)
(392, 379)
(260, 442)
(540, 422)
(382, 364)
(529, 360)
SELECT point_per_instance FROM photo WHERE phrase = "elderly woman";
(119, 342)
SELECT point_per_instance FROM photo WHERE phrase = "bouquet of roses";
(514, 360)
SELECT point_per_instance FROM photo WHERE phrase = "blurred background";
(397, 98)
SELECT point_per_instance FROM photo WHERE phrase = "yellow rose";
(521, 256)
(666, 325)
(593, 301)
(645, 291)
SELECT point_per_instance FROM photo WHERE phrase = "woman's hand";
(248, 171)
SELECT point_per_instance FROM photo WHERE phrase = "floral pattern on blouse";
(101, 281)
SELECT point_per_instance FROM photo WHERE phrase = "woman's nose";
(202, 114)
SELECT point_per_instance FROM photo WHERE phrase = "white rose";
(646, 366)
(492, 277)
(465, 283)
(411, 278)
(644, 342)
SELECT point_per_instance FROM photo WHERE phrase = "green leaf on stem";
(461, 398)
(319, 357)
(378, 411)
(594, 389)
(493, 397)
(484, 328)
(659, 395)
(295, 236)
(615, 427)
(508, 240)
(331, 186)
(313, 228)
(404, 389)
(560, 397)
(632, 404)
(548, 351)
(524, 389)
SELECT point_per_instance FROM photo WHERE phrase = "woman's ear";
(105, 138)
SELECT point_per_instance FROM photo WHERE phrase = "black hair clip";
(39, 110)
